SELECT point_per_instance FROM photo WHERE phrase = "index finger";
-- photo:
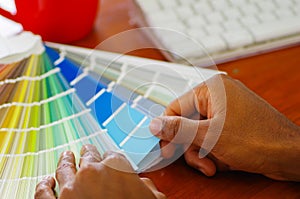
(66, 169)
(194, 101)
(89, 154)
(117, 161)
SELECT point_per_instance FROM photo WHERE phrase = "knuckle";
(173, 127)
(38, 193)
(63, 166)
(113, 156)
(117, 161)
(40, 188)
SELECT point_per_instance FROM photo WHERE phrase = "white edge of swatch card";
(185, 70)
(20, 46)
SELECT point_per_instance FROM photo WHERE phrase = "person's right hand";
(254, 138)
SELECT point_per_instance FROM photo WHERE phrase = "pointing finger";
(179, 129)
(89, 154)
(66, 169)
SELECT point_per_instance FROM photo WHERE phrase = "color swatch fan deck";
(62, 97)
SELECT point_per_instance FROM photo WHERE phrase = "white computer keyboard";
(220, 30)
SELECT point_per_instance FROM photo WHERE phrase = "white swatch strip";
(110, 86)
(60, 59)
(36, 78)
(80, 77)
(114, 114)
(26, 178)
(154, 82)
(82, 139)
(133, 131)
(47, 125)
(95, 97)
(50, 99)
(123, 73)
(136, 100)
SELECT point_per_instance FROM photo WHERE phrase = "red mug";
(61, 21)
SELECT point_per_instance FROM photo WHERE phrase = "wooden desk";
(274, 76)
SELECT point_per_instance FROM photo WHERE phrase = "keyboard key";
(268, 31)
(162, 16)
(249, 20)
(185, 12)
(214, 29)
(267, 17)
(196, 34)
(232, 13)
(150, 6)
(202, 8)
(219, 4)
(185, 49)
(214, 17)
(168, 4)
(173, 39)
(172, 25)
(266, 6)
(236, 39)
(197, 21)
(283, 13)
(249, 9)
(186, 2)
(213, 44)
(284, 4)
(236, 3)
(232, 25)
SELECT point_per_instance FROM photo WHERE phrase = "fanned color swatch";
(67, 96)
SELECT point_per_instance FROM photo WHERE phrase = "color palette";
(68, 96)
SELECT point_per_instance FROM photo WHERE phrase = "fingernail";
(156, 126)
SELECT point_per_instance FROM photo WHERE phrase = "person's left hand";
(112, 177)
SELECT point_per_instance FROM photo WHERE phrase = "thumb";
(179, 130)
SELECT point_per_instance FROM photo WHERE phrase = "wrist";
(287, 155)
